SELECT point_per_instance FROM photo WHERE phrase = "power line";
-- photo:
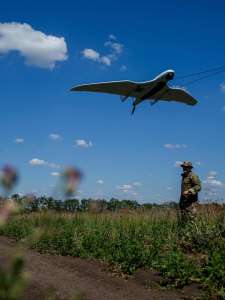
(212, 72)
(203, 77)
(202, 72)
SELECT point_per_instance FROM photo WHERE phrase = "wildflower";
(71, 178)
(9, 177)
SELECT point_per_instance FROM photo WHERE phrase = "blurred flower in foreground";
(71, 177)
(7, 210)
(9, 177)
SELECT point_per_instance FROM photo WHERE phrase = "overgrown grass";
(194, 253)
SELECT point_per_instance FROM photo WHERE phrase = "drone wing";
(179, 95)
(123, 88)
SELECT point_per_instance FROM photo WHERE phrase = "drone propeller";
(124, 98)
(153, 102)
(133, 110)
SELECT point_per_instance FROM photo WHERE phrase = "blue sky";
(44, 127)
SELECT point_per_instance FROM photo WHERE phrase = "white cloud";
(217, 183)
(175, 146)
(129, 189)
(41, 162)
(95, 56)
(123, 68)
(55, 174)
(125, 188)
(37, 162)
(125, 191)
(53, 165)
(213, 173)
(222, 87)
(100, 181)
(178, 163)
(134, 194)
(106, 60)
(36, 47)
(157, 195)
(137, 183)
(169, 188)
(19, 140)
(115, 49)
(83, 143)
(223, 108)
(91, 54)
(112, 37)
(55, 136)
(212, 182)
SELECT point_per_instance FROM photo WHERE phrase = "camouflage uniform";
(190, 187)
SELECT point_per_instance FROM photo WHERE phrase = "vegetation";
(132, 238)
(34, 204)
(12, 282)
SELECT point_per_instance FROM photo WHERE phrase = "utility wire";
(203, 77)
(202, 72)
(211, 72)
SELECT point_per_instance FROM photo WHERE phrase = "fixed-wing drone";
(154, 90)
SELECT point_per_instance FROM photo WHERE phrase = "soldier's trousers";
(188, 214)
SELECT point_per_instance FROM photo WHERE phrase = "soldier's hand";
(185, 193)
(189, 192)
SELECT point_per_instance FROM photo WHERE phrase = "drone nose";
(170, 75)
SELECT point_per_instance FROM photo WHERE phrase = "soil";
(66, 277)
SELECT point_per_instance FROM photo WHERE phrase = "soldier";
(190, 187)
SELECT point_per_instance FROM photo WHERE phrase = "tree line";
(33, 203)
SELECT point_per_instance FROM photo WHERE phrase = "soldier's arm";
(197, 184)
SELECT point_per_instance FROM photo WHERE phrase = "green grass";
(13, 281)
(127, 242)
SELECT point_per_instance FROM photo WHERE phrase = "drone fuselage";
(157, 90)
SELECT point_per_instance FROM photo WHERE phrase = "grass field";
(131, 240)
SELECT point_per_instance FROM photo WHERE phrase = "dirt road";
(67, 276)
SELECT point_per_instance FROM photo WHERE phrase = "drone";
(153, 91)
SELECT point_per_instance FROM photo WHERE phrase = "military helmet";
(187, 164)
